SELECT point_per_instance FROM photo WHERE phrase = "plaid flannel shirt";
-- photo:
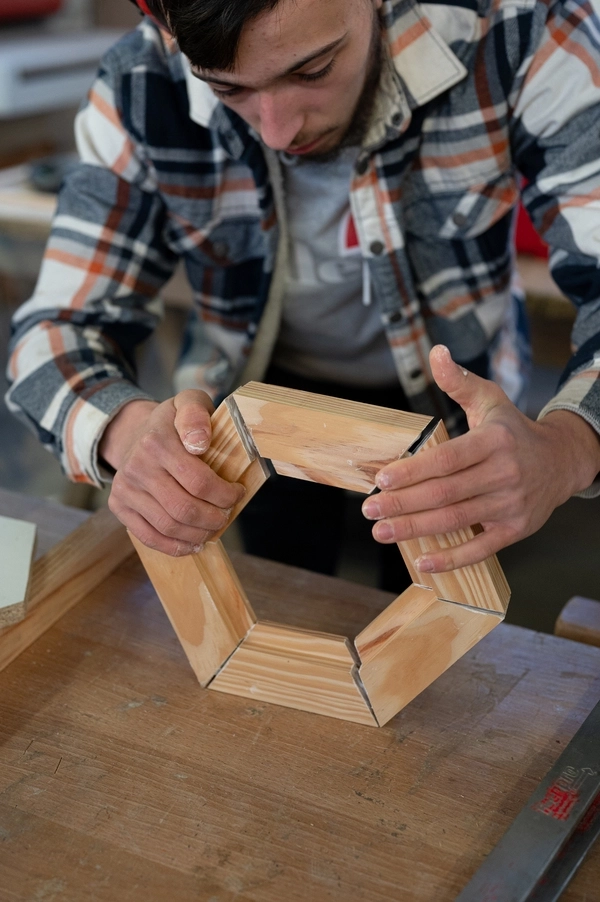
(473, 96)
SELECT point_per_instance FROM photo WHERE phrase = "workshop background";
(544, 571)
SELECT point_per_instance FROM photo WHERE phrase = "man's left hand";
(508, 473)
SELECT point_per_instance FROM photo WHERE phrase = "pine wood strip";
(300, 669)
(231, 456)
(324, 439)
(412, 643)
(17, 540)
(254, 476)
(480, 585)
(65, 575)
(409, 606)
(204, 601)
(228, 455)
(579, 620)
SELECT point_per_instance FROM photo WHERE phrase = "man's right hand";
(162, 492)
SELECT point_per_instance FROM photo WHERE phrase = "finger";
(475, 395)
(444, 460)
(150, 537)
(178, 516)
(472, 552)
(192, 420)
(199, 481)
(440, 522)
(434, 494)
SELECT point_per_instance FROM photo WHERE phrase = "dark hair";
(208, 31)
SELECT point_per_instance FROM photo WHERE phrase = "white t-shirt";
(327, 331)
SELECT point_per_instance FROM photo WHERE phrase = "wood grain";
(204, 601)
(480, 585)
(325, 440)
(412, 643)
(230, 456)
(299, 669)
(65, 575)
(580, 620)
(121, 780)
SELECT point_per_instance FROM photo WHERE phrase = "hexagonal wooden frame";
(428, 627)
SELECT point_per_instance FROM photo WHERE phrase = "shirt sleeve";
(557, 148)
(72, 366)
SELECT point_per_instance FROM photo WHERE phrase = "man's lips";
(307, 148)
(304, 148)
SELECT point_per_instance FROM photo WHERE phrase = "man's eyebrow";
(303, 62)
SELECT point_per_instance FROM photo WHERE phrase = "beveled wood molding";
(425, 630)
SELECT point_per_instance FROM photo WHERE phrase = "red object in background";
(527, 239)
(25, 9)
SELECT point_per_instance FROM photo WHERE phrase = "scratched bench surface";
(120, 779)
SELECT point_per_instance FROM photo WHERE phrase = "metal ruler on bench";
(547, 841)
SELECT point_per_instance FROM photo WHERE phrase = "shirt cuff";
(85, 425)
(566, 400)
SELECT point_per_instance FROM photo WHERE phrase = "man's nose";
(279, 119)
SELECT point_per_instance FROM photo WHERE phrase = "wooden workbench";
(120, 779)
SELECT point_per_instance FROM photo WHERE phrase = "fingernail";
(383, 481)
(384, 531)
(197, 549)
(196, 441)
(424, 565)
(371, 510)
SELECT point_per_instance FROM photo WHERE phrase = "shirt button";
(377, 248)
(459, 219)
(362, 166)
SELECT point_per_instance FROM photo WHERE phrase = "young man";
(339, 178)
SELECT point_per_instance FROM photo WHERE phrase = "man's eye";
(315, 76)
(225, 92)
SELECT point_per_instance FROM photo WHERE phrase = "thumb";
(476, 396)
(192, 419)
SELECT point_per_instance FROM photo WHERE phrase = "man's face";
(301, 70)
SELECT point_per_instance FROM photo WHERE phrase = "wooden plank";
(480, 585)
(231, 456)
(322, 439)
(300, 669)
(228, 454)
(65, 575)
(17, 540)
(580, 620)
(412, 643)
(121, 780)
(204, 601)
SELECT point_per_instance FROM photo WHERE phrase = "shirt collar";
(420, 54)
(203, 102)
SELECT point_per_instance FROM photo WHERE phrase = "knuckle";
(167, 526)
(128, 474)
(184, 512)
(391, 504)
(440, 494)
(147, 537)
(198, 483)
(512, 474)
(114, 504)
(503, 438)
(409, 528)
(447, 457)
(455, 519)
